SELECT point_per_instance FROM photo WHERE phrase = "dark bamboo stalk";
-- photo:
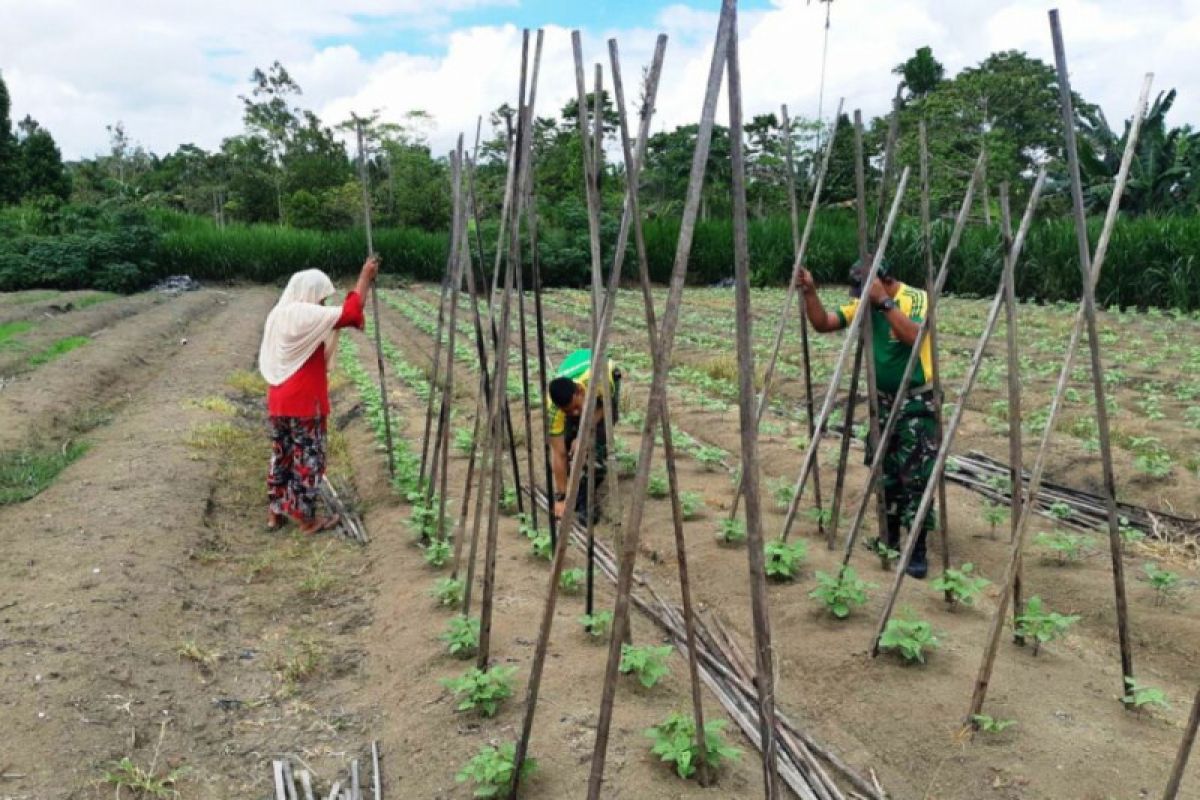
(1015, 449)
(1185, 751)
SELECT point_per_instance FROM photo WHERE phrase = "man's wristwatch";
(887, 305)
(559, 497)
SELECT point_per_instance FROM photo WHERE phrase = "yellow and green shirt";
(578, 367)
(891, 354)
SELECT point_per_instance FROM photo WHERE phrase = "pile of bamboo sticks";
(285, 779)
(725, 670)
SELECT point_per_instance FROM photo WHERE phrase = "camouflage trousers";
(908, 462)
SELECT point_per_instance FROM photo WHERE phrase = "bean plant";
(1138, 695)
(571, 580)
(596, 624)
(690, 504)
(961, 584)
(462, 636)
(437, 552)
(675, 743)
(783, 559)
(657, 487)
(1065, 548)
(841, 596)
(1041, 624)
(492, 770)
(482, 689)
(908, 637)
(648, 663)
(731, 531)
(448, 591)
(989, 724)
(1164, 582)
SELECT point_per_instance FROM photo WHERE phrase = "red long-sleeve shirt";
(308, 387)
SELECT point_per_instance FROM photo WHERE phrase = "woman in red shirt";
(298, 345)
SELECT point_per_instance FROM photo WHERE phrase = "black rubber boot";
(918, 566)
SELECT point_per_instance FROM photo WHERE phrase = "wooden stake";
(633, 174)
(387, 413)
(939, 464)
(433, 377)
(376, 773)
(852, 333)
(943, 508)
(1089, 313)
(1185, 751)
(1015, 448)
(799, 248)
(764, 657)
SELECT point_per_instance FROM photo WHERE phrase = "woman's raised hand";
(370, 269)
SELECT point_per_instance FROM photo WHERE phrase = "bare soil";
(140, 595)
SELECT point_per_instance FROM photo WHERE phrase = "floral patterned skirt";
(297, 464)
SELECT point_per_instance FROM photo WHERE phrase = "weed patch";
(57, 350)
(26, 473)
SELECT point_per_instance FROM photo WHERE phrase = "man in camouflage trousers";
(897, 313)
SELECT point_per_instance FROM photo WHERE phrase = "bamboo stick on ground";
(764, 657)
(277, 773)
(376, 773)
(306, 784)
(943, 508)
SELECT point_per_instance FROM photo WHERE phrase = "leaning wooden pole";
(1185, 751)
(987, 662)
(943, 509)
(852, 333)
(764, 656)
(435, 370)
(633, 164)
(1089, 313)
(364, 179)
(879, 453)
(658, 390)
(799, 248)
(1016, 467)
(499, 387)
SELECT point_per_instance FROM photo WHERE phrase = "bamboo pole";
(633, 174)
(434, 372)
(499, 386)
(934, 292)
(658, 385)
(387, 414)
(799, 248)
(943, 508)
(939, 464)
(1015, 445)
(1185, 751)
(852, 333)
(764, 657)
(376, 774)
(539, 322)
(1089, 313)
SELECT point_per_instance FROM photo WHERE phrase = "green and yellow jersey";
(578, 367)
(891, 354)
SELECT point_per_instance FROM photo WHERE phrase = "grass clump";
(144, 783)
(57, 350)
(189, 650)
(248, 382)
(26, 473)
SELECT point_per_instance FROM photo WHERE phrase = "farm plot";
(901, 721)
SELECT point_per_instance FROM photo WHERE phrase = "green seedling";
(1060, 511)
(142, 782)
(1164, 582)
(781, 493)
(675, 743)
(1156, 463)
(886, 553)
(841, 596)
(1066, 548)
(991, 724)
(596, 624)
(464, 441)
(993, 515)
(1042, 625)
(508, 500)
(627, 462)
(525, 526)
(710, 457)
(690, 504)
(482, 690)
(437, 553)
(731, 531)
(448, 591)
(908, 637)
(657, 486)
(961, 585)
(1129, 534)
(820, 516)
(648, 663)
(783, 559)
(542, 546)
(492, 770)
(461, 636)
(571, 580)
(1139, 695)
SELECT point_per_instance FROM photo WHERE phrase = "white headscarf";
(297, 326)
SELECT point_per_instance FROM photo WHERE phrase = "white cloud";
(173, 70)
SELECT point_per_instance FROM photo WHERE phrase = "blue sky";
(172, 70)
